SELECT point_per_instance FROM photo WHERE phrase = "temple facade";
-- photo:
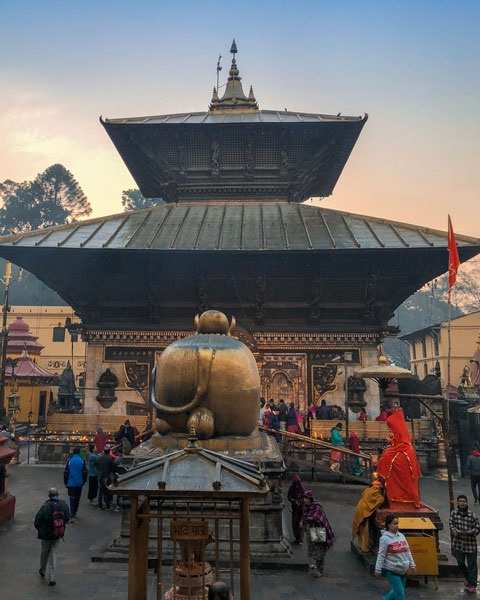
(312, 289)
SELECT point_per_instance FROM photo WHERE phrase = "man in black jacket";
(105, 469)
(50, 523)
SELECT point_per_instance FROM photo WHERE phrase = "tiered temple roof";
(234, 233)
(21, 339)
(235, 150)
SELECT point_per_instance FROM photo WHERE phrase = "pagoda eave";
(298, 159)
(312, 289)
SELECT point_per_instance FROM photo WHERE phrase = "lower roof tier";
(276, 265)
(235, 227)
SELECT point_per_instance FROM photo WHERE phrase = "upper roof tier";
(235, 150)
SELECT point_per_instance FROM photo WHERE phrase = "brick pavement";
(79, 579)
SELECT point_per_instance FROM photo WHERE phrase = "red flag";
(453, 258)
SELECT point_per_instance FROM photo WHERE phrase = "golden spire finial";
(234, 96)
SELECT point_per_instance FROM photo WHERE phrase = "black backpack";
(57, 522)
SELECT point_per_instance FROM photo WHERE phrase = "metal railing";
(318, 455)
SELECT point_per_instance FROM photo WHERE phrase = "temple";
(313, 289)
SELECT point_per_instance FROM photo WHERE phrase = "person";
(267, 417)
(337, 440)
(296, 495)
(371, 498)
(354, 445)
(105, 470)
(75, 476)
(262, 411)
(92, 459)
(275, 418)
(301, 422)
(464, 528)
(50, 522)
(126, 437)
(219, 591)
(394, 559)
(4, 431)
(362, 415)
(292, 419)
(473, 469)
(323, 411)
(319, 533)
(383, 416)
(100, 440)
(282, 414)
(136, 436)
(336, 412)
(398, 464)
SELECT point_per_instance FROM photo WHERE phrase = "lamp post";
(12, 398)
(383, 373)
(6, 280)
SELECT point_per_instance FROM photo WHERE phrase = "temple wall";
(301, 375)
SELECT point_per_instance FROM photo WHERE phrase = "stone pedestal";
(268, 542)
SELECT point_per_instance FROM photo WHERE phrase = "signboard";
(189, 529)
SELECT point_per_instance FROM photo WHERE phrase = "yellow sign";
(189, 529)
(424, 552)
(421, 537)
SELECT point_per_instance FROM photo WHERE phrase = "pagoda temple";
(312, 289)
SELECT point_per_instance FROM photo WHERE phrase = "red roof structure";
(20, 338)
(25, 368)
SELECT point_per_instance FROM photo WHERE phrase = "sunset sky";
(413, 66)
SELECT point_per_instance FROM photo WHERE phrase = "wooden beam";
(138, 552)
(244, 550)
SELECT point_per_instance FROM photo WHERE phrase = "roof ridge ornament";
(234, 97)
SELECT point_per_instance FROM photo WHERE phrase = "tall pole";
(446, 407)
(347, 406)
(6, 281)
(244, 549)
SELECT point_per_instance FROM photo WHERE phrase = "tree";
(54, 197)
(133, 200)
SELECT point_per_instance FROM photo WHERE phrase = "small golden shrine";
(199, 502)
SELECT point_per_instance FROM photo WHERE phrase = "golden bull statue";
(207, 384)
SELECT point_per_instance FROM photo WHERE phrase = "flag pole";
(453, 264)
(446, 407)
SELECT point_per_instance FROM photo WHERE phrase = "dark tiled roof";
(236, 227)
(258, 116)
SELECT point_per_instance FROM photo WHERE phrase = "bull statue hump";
(207, 384)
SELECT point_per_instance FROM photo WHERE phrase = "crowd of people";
(309, 521)
(281, 416)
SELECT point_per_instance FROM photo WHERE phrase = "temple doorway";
(282, 388)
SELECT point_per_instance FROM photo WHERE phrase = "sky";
(413, 66)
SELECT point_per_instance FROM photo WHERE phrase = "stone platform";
(268, 541)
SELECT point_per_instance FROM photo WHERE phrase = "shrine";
(313, 289)
(198, 503)
(30, 388)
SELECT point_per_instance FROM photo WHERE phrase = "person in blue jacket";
(75, 476)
